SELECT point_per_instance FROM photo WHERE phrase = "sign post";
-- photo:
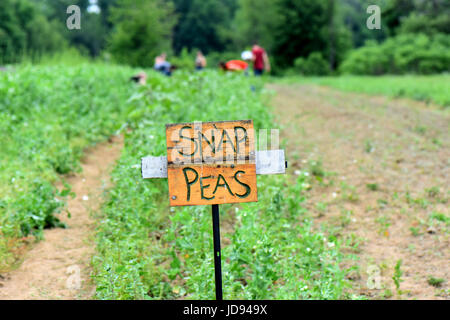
(209, 163)
(217, 253)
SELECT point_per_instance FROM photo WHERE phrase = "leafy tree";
(353, 14)
(105, 12)
(429, 17)
(91, 38)
(298, 31)
(395, 11)
(142, 30)
(255, 20)
(306, 26)
(202, 24)
(337, 35)
(56, 9)
(315, 64)
(412, 16)
(12, 37)
(24, 31)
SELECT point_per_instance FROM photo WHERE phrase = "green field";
(272, 249)
(145, 250)
(148, 251)
(434, 89)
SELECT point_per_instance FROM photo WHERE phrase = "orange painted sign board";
(211, 163)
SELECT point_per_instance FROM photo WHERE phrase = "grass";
(440, 217)
(433, 88)
(435, 282)
(384, 223)
(415, 231)
(397, 277)
(349, 192)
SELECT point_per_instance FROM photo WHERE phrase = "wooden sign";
(211, 163)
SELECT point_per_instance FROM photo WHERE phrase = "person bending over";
(234, 65)
(162, 65)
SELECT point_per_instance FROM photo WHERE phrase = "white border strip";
(267, 162)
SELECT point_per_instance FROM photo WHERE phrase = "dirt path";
(379, 174)
(59, 266)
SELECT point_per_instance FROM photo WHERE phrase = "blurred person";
(140, 78)
(200, 61)
(162, 65)
(234, 65)
(260, 60)
(247, 56)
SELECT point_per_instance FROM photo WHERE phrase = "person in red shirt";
(260, 59)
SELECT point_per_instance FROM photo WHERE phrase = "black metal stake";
(217, 254)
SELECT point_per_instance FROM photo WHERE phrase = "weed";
(316, 168)
(369, 146)
(435, 282)
(436, 142)
(386, 294)
(423, 203)
(382, 203)
(385, 223)
(353, 242)
(440, 217)
(321, 207)
(415, 231)
(420, 129)
(432, 192)
(398, 275)
(345, 217)
(349, 192)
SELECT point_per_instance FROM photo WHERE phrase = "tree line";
(306, 36)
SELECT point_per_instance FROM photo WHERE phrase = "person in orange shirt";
(234, 65)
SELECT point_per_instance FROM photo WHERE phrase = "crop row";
(48, 116)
